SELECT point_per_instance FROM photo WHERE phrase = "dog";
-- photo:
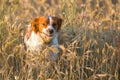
(43, 31)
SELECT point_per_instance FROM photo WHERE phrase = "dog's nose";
(50, 31)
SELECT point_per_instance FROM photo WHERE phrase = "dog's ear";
(59, 23)
(35, 25)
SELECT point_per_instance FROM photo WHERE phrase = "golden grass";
(89, 44)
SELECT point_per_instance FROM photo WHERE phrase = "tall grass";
(89, 43)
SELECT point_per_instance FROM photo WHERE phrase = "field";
(90, 40)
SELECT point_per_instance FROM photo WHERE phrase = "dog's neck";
(39, 38)
(36, 42)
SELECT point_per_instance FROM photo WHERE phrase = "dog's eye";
(54, 24)
(43, 24)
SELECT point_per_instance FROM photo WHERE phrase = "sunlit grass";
(89, 43)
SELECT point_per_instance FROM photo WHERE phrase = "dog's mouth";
(48, 35)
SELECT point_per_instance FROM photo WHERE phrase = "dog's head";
(47, 26)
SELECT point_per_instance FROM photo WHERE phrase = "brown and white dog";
(43, 31)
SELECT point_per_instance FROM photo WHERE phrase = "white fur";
(34, 42)
(50, 19)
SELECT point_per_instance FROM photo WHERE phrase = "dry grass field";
(90, 40)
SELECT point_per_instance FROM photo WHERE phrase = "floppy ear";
(59, 22)
(35, 25)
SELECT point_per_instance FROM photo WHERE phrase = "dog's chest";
(36, 42)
